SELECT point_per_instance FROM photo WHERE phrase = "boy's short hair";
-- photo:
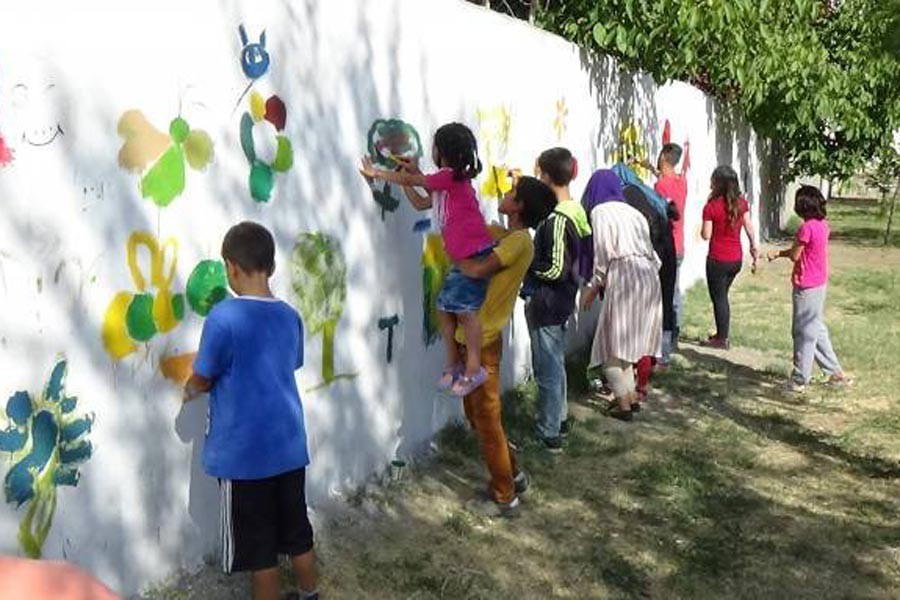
(559, 165)
(537, 200)
(671, 153)
(250, 246)
(809, 203)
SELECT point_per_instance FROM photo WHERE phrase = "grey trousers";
(811, 340)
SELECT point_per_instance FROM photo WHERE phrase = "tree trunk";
(887, 230)
(328, 350)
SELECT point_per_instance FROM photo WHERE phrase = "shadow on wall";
(124, 550)
(623, 99)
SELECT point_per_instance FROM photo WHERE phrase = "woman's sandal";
(449, 377)
(465, 385)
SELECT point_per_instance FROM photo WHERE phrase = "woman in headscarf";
(625, 272)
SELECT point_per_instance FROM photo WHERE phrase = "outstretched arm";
(403, 178)
(793, 253)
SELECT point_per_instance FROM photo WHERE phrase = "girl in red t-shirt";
(725, 214)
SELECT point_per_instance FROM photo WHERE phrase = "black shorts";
(262, 518)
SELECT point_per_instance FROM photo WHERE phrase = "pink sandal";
(465, 385)
(449, 377)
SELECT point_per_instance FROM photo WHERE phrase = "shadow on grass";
(749, 383)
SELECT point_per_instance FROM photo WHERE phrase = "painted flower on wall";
(267, 148)
(133, 317)
(159, 157)
(48, 441)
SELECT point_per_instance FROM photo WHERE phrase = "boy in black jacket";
(553, 287)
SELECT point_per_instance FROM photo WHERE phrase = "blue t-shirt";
(250, 348)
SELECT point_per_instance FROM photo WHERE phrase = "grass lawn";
(724, 488)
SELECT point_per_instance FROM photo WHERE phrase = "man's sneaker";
(840, 381)
(792, 387)
(564, 428)
(552, 444)
(521, 483)
(494, 510)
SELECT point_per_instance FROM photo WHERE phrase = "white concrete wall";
(143, 507)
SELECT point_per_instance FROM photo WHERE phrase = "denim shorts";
(462, 294)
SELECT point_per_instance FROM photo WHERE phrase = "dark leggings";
(719, 277)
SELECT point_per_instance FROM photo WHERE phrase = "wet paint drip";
(160, 158)
(48, 441)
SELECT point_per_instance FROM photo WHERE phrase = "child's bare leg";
(305, 571)
(448, 328)
(266, 585)
(472, 331)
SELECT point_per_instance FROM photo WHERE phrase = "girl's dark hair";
(725, 185)
(457, 147)
(537, 198)
(809, 203)
(251, 247)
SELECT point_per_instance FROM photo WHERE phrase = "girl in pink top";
(456, 214)
(809, 254)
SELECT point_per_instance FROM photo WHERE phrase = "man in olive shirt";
(525, 206)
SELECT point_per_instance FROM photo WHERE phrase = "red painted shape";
(276, 112)
(5, 153)
(686, 159)
(667, 133)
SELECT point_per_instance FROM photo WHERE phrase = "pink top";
(674, 189)
(455, 211)
(725, 243)
(811, 269)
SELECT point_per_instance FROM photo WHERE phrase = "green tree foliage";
(319, 279)
(821, 77)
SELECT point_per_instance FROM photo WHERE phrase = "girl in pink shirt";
(809, 254)
(456, 214)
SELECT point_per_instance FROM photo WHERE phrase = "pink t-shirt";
(811, 270)
(725, 243)
(455, 211)
(674, 189)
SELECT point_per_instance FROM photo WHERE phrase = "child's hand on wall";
(368, 170)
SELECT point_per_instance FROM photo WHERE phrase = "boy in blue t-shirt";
(256, 439)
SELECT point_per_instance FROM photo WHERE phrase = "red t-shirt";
(674, 189)
(725, 243)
